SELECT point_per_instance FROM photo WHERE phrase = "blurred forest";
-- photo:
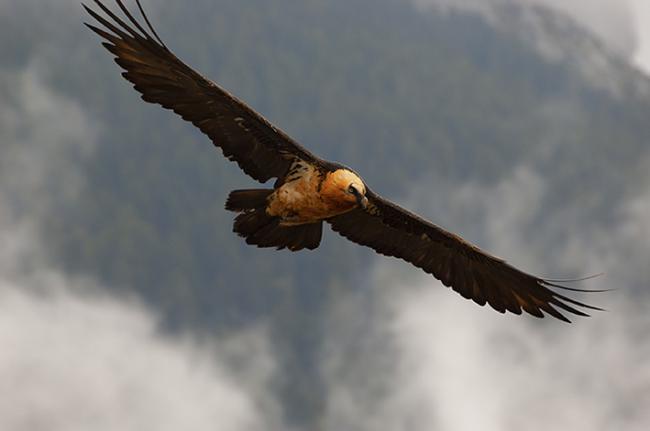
(400, 94)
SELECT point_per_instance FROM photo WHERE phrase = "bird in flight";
(308, 190)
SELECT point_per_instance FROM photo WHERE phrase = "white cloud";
(619, 26)
(641, 10)
(42, 134)
(71, 362)
(558, 37)
(41, 131)
(447, 364)
(611, 20)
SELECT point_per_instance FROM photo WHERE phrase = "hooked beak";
(362, 201)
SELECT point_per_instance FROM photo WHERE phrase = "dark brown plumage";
(309, 190)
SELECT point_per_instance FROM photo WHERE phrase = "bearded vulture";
(309, 190)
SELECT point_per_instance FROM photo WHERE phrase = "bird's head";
(345, 185)
(358, 191)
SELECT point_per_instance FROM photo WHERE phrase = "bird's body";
(297, 200)
(310, 191)
(309, 195)
(291, 214)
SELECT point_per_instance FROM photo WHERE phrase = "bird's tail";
(242, 200)
(264, 230)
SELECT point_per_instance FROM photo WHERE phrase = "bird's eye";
(352, 189)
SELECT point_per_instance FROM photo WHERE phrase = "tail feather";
(263, 230)
(250, 222)
(242, 200)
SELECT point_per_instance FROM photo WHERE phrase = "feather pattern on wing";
(260, 149)
(475, 274)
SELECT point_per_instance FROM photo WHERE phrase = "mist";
(433, 360)
(641, 18)
(73, 362)
(612, 20)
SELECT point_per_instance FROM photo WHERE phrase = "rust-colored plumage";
(308, 190)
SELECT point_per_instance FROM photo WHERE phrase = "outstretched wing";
(475, 274)
(244, 136)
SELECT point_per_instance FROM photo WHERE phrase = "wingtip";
(573, 289)
(548, 312)
(92, 27)
(555, 283)
(558, 315)
(574, 280)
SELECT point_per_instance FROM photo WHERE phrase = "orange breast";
(308, 199)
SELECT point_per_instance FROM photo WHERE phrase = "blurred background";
(127, 303)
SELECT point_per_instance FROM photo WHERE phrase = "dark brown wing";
(244, 136)
(475, 274)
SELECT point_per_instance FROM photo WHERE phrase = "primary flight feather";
(309, 190)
